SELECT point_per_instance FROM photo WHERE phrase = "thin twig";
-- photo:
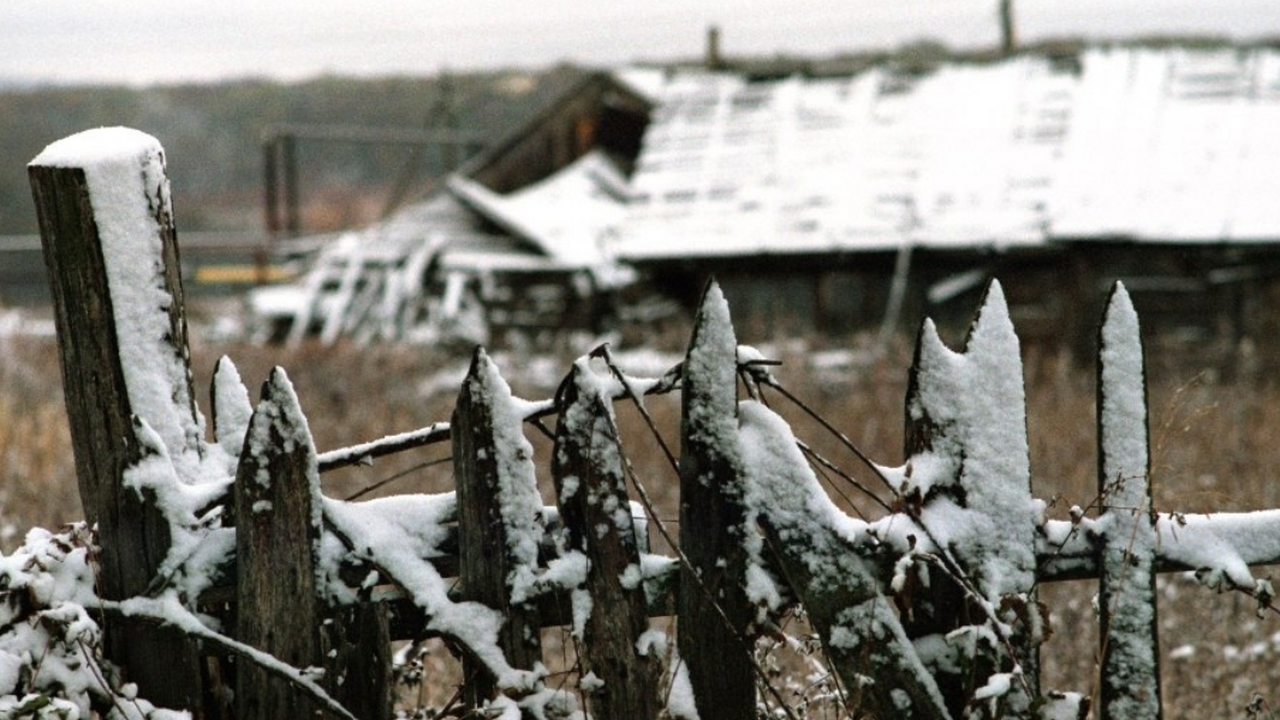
(441, 431)
(392, 478)
(645, 500)
(844, 439)
(179, 619)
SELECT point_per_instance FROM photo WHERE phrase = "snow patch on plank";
(518, 498)
(1130, 670)
(401, 535)
(779, 485)
(976, 401)
(124, 170)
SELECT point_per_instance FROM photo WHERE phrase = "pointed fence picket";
(930, 612)
(591, 491)
(714, 612)
(499, 522)
(1127, 608)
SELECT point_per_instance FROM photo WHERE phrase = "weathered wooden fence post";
(499, 516)
(966, 443)
(717, 653)
(591, 490)
(278, 525)
(1130, 667)
(106, 226)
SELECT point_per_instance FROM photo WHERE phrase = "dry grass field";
(1214, 446)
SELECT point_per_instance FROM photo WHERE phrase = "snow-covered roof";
(1174, 145)
(566, 215)
(1141, 143)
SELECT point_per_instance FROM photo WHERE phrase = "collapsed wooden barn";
(513, 240)
(863, 200)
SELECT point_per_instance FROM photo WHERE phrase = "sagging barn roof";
(1168, 145)
(536, 206)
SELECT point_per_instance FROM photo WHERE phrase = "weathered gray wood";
(590, 478)
(1130, 668)
(837, 585)
(358, 659)
(494, 499)
(277, 527)
(133, 533)
(711, 522)
(968, 408)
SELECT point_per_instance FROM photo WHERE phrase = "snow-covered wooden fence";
(223, 566)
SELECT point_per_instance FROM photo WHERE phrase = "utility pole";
(1008, 31)
(713, 59)
(441, 117)
(280, 183)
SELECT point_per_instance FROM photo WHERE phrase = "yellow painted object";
(242, 274)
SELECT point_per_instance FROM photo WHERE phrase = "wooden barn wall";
(598, 113)
(1189, 294)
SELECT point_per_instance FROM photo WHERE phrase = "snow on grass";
(49, 640)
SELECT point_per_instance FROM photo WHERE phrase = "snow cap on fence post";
(712, 520)
(968, 477)
(1130, 668)
(230, 407)
(128, 191)
(978, 451)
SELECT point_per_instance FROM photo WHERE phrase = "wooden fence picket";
(1130, 665)
(357, 642)
(278, 527)
(591, 490)
(969, 409)
(231, 408)
(497, 504)
(713, 646)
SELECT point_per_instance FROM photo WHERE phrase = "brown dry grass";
(1214, 448)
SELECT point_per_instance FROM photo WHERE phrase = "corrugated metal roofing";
(1149, 144)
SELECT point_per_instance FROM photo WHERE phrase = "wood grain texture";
(711, 527)
(133, 534)
(587, 465)
(485, 557)
(277, 606)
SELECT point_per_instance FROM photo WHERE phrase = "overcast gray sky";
(142, 41)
